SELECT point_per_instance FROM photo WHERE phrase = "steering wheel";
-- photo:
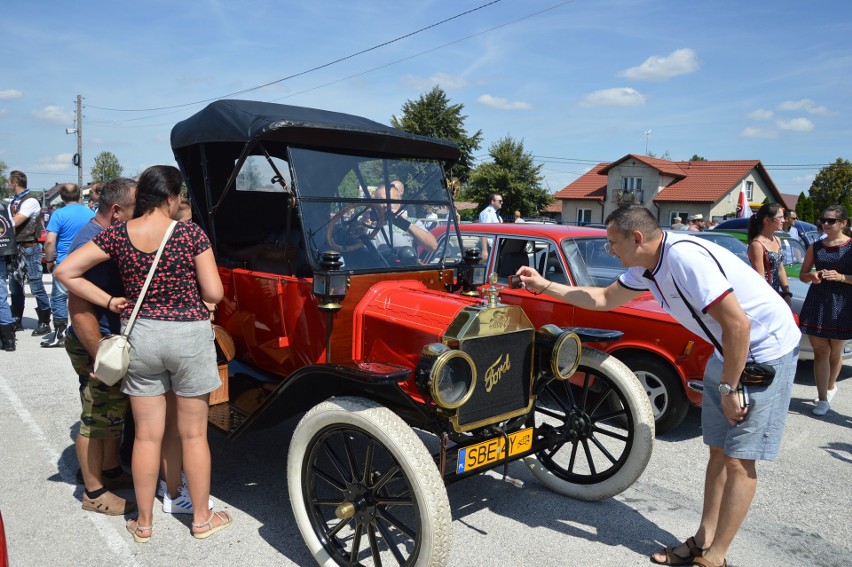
(358, 222)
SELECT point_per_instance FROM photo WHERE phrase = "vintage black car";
(413, 375)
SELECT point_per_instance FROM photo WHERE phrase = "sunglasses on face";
(828, 221)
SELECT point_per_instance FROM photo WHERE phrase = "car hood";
(647, 305)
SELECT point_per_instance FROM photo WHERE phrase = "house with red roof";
(668, 188)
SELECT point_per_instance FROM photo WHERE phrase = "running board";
(226, 418)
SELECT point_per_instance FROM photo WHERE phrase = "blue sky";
(579, 82)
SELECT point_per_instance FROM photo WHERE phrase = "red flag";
(744, 210)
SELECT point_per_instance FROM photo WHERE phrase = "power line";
(318, 67)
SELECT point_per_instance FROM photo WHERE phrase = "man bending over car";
(715, 295)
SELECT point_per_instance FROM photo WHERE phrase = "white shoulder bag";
(114, 350)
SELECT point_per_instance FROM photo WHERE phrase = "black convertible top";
(246, 122)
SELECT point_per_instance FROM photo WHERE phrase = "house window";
(584, 216)
(632, 184)
(750, 190)
(684, 217)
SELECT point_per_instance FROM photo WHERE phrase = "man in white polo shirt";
(744, 320)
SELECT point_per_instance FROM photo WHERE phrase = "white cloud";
(761, 114)
(61, 162)
(807, 105)
(445, 81)
(9, 94)
(54, 114)
(759, 133)
(502, 103)
(796, 124)
(621, 96)
(660, 68)
(4, 111)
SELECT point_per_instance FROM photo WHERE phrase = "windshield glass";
(575, 250)
(379, 213)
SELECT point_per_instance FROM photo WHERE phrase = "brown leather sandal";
(673, 558)
(701, 562)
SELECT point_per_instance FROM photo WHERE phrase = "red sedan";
(660, 351)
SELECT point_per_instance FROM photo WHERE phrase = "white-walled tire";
(354, 457)
(603, 428)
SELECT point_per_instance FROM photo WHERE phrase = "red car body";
(4, 554)
(654, 345)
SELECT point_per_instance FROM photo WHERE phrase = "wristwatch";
(726, 390)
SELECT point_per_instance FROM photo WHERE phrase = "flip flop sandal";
(673, 558)
(224, 517)
(135, 531)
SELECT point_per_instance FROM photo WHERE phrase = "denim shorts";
(171, 355)
(758, 436)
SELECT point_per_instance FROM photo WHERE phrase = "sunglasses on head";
(828, 221)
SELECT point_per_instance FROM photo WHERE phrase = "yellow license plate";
(487, 452)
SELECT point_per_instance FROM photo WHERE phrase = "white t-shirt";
(704, 282)
(30, 207)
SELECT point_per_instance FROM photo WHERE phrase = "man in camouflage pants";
(104, 407)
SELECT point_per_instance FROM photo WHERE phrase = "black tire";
(599, 451)
(355, 451)
(663, 387)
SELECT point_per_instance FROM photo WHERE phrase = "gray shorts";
(171, 355)
(758, 436)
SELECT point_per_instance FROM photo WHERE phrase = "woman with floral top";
(172, 343)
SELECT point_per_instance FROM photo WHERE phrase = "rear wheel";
(664, 389)
(364, 488)
(602, 427)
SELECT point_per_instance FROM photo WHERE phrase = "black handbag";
(757, 374)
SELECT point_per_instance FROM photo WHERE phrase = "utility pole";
(80, 142)
(78, 157)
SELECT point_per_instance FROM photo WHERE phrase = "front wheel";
(364, 488)
(602, 428)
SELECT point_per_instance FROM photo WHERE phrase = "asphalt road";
(802, 515)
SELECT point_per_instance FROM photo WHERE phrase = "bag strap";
(689, 305)
(138, 305)
(694, 314)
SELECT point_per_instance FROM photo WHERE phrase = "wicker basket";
(220, 395)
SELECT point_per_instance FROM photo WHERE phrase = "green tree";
(832, 186)
(805, 208)
(696, 157)
(106, 167)
(513, 173)
(433, 115)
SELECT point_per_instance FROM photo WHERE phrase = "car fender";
(313, 384)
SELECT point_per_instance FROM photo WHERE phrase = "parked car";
(332, 312)
(742, 223)
(662, 354)
(4, 554)
(608, 274)
(794, 251)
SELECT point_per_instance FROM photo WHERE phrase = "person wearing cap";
(677, 224)
(696, 223)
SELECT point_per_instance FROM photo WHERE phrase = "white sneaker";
(821, 408)
(829, 395)
(162, 487)
(182, 504)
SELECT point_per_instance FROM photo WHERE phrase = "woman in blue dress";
(825, 313)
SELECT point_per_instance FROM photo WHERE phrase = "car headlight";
(447, 375)
(560, 350)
